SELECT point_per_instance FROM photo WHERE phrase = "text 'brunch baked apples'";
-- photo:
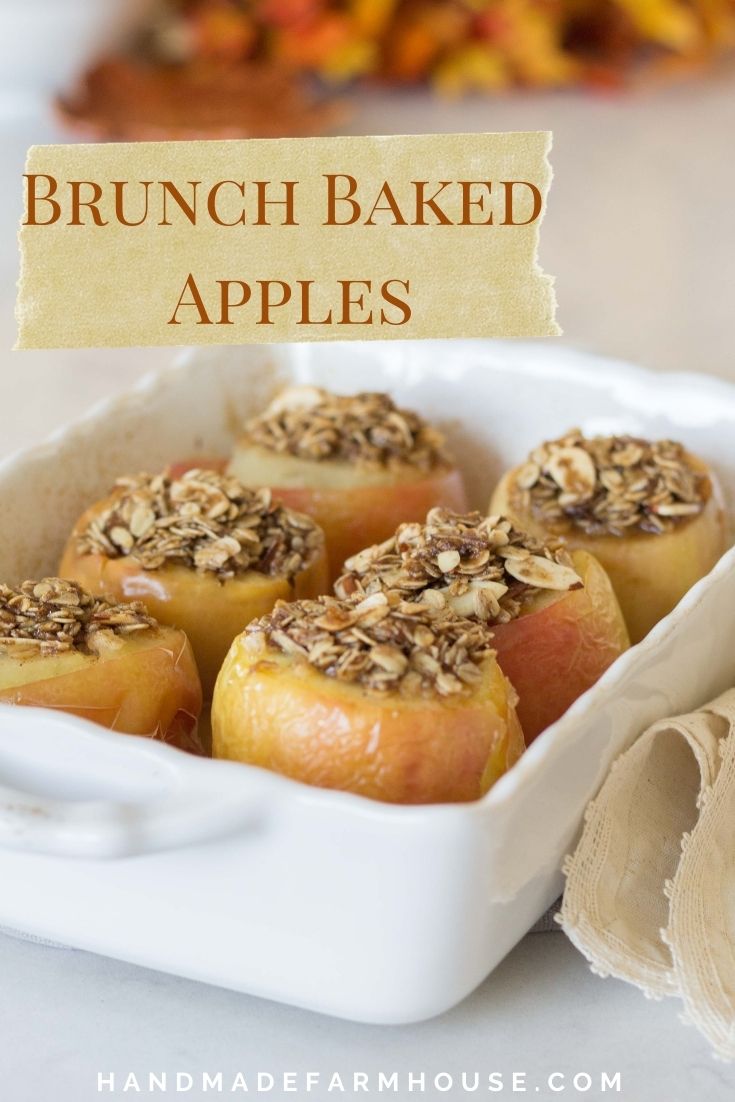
(202, 552)
(358, 464)
(555, 621)
(382, 698)
(650, 511)
(62, 648)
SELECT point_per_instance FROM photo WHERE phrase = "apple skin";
(280, 713)
(211, 612)
(355, 506)
(649, 573)
(149, 686)
(561, 645)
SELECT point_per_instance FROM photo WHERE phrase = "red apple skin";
(150, 687)
(559, 648)
(359, 517)
(283, 715)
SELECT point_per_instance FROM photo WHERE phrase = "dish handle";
(155, 797)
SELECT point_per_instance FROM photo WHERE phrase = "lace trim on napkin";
(650, 893)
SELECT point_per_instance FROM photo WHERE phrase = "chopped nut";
(362, 428)
(448, 560)
(204, 520)
(478, 567)
(610, 485)
(411, 649)
(54, 616)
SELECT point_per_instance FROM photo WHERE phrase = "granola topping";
(204, 520)
(476, 566)
(611, 485)
(367, 428)
(54, 616)
(382, 642)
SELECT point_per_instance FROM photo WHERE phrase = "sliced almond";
(678, 509)
(296, 397)
(434, 597)
(215, 554)
(497, 589)
(573, 470)
(513, 551)
(104, 641)
(543, 573)
(423, 636)
(122, 538)
(141, 520)
(447, 683)
(528, 475)
(464, 604)
(473, 564)
(627, 456)
(369, 604)
(389, 658)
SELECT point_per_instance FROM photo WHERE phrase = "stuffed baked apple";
(62, 648)
(383, 698)
(202, 552)
(555, 621)
(650, 511)
(357, 464)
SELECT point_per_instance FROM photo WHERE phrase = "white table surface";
(640, 234)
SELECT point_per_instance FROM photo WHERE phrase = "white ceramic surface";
(323, 899)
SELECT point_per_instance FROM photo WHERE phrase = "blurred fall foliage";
(455, 45)
(271, 68)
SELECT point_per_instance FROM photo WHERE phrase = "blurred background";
(640, 94)
(640, 234)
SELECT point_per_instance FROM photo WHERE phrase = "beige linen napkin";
(650, 892)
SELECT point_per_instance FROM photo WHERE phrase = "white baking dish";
(241, 878)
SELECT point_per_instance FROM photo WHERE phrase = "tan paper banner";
(166, 243)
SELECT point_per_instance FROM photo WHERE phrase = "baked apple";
(357, 464)
(202, 552)
(556, 623)
(650, 511)
(382, 698)
(62, 648)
